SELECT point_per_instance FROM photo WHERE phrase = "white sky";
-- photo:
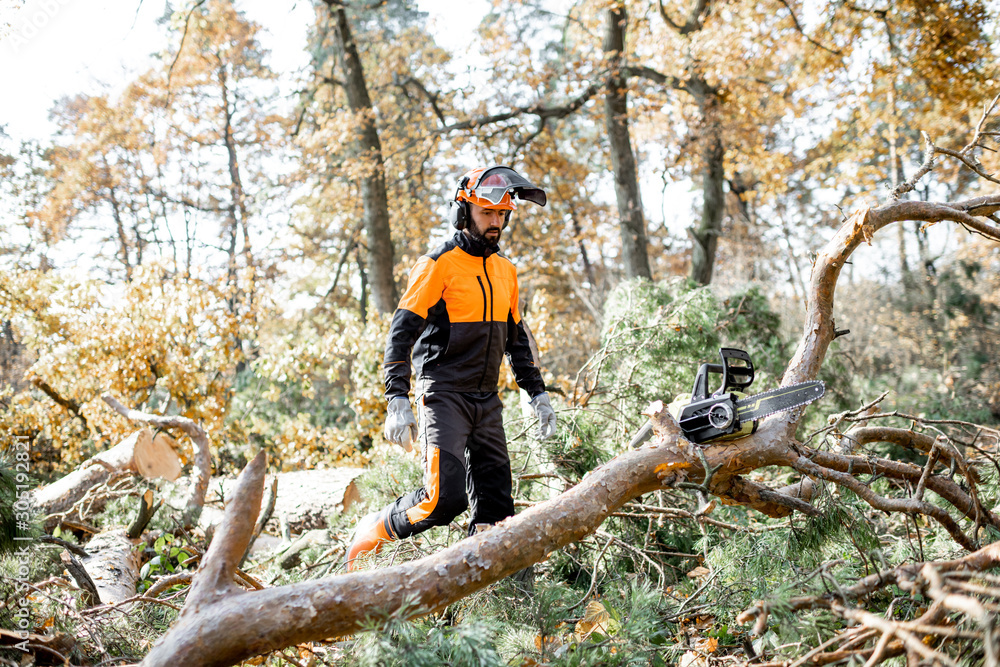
(54, 48)
(50, 49)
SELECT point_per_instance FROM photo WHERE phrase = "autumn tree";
(367, 167)
(220, 121)
(713, 88)
(100, 172)
(174, 163)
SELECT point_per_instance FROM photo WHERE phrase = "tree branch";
(73, 407)
(908, 506)
(537, 109)
(431, 97)
(801, 30)
(771, 502)
(202, 457)
(692, 23)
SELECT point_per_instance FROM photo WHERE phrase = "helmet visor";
(497, 182)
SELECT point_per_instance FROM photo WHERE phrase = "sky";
(54, 48)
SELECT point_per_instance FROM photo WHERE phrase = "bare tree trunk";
(116, 213)
(631, 222)
(369, 148)
(588, 268)
(706, 235)
(237, 198)
(237, 206)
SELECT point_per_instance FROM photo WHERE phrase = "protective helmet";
(493, 188)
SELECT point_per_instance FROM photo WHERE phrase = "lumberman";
(458, 318)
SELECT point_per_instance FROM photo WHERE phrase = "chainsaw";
(728, 413)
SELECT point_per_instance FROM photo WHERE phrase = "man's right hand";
(400, 425)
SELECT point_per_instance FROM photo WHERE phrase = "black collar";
(474, 246)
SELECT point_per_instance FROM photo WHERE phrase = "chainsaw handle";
(700, 390)
(738, 375)
(736, 370)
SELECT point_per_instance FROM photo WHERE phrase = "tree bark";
(369, 148)
(632, 224)
(113, 566)
(706, 235)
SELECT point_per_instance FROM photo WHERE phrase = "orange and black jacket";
(459, 316)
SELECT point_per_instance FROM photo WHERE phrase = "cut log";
(305, 498)
(161, 459)
(113, 566)
(139, 453)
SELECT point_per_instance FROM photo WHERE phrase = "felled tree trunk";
(140, 453)
(221, 624)
(304, 500)
(113, 566)
(109, 570)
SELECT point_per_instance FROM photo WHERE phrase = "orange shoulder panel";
(424, 288)
(466, 289)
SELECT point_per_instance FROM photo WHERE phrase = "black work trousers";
(465, 464)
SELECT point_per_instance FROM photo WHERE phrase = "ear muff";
(458, 214)
(458, 211)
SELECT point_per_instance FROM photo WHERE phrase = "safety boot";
(369, 536)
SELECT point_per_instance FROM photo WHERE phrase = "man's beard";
(481, 238)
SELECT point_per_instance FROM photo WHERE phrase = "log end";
(156, 456)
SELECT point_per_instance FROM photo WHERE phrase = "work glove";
(546, 416)
(400, 426)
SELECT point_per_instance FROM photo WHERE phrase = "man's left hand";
(546, 416)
